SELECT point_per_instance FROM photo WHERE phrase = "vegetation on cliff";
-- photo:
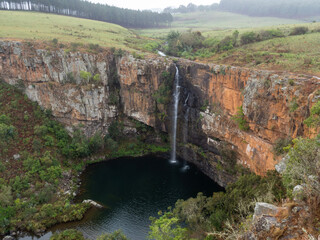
(39, 161)
(205, 216)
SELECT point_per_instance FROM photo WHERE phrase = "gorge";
(273, 104)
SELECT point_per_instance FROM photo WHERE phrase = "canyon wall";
(274, 104)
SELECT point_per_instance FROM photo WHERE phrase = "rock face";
(274, 104)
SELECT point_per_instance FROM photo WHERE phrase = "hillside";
(213, 21)
(90, 10)
(31, 26)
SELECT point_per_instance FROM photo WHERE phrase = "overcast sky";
(152, 4)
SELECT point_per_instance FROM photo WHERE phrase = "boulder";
(262, 209)
(298, 193)
(93, 203)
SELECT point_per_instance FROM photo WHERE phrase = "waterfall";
(176, 95)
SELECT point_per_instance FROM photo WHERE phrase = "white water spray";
(176, 95)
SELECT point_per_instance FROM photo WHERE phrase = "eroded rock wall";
(274, 104)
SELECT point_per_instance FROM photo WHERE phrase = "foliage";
(299, 31)
(116, 235)
(280, 144)
(239, 118)
(178, 43)
(85, 76)
(96, 78)
(69, 234)
(314, 119)
(163, 94)
(166, 227)
(204, 213)
(115, 130)
(248, 37)
(303, 166)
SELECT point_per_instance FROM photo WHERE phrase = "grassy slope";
(293, 53)
(40, 26)
(209, 21)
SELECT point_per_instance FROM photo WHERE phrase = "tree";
(166, 227)
(303, 166)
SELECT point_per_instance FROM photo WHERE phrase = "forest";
(84, 9)
(192, 8)
(272, 8)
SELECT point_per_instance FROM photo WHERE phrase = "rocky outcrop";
(291, 221)
(274, 104)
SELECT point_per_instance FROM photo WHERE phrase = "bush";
(166, 227)
(299, 31)
(85, 76)
(97, 78)
(115, 130)
(280, 144)
(163, 94)
(237, 202)
(303, 166)
(248, 37)
(270, 34)
(116, 235)
(70, 234)
(314, 119)
(239, 118)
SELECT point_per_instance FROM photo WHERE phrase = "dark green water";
(132, 190)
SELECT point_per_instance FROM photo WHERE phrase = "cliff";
(274, 104)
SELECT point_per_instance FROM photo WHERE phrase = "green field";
(215, 20)
(39, 26)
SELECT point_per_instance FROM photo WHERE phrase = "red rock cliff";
(274, 104)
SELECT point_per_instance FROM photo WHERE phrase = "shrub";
(280, 144)
(163, 94)
(239, 118)
(248, 37)
(70, 234)
(6, 132)
(293, 106)
(166, 227)
(85, 76)
(55, 42)
(303, 166)
(299, 31)
(5, 119)
(69, 78)
(97, 78)
(314, 119)
(116, 235)
(269, 34)
(115, 130)
(94, 47)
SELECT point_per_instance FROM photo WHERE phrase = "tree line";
(192, 8)
(273, 8)
(259, 8)
(85, 9)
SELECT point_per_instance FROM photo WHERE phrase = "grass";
(292, 53)
(33, 26)
(215, 21)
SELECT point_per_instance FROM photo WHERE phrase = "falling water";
(176, 95)
(185, 132)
